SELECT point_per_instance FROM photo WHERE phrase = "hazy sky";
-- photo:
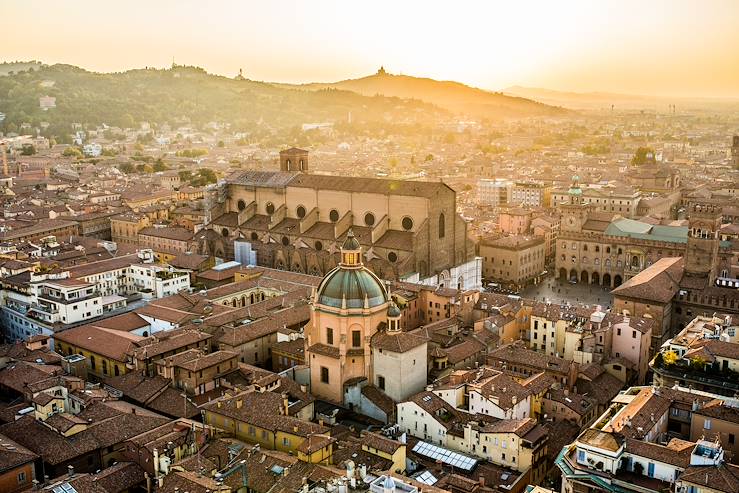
(660, 47)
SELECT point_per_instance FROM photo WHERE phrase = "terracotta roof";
(676, 452)
(659, 282)
(724, 478)
(396, 342)
(111, 343)
(13, 454)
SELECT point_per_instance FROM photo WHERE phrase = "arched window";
(254, 236)
(241, 205)
(300, 211)
(270, 208)
(224, 232)
(585, 248)
(597, 248)
(442, 226)
(333, 215)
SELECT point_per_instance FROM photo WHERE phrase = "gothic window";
(442, 226)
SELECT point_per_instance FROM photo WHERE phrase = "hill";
(185, 95)
(604, 100)
(450, 95)
(9, 68)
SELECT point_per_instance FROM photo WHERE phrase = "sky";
(654, 47)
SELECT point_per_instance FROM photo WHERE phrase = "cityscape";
(327, 247)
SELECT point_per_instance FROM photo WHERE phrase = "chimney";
(481, 479)
(70, 471)
(286, 403)
(239, 403)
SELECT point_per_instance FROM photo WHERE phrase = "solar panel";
(64, 488)
(446, 456)
(426, 478)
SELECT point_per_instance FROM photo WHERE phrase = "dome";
(353, 284)
(393, 310)
(351, 242)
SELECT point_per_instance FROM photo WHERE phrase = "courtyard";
(563, 291)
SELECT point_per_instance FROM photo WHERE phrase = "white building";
(494, 192)
(92, 150)
(156, 281)
(399, 359)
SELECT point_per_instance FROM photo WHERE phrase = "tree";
(72, 152)
(28, 150)
(643, 155)
(670, 357)
(160, 166)
(221, 144)
(429, 157)
(126, 168)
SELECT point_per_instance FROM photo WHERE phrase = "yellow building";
(386, 448)
(105, 349)
(266, 418)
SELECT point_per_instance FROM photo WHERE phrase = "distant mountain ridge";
(602, 99)
(184, 94)
(450, 95)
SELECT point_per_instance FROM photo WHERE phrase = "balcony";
(51, 310)
(724, 382)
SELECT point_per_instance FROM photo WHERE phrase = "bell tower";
(735, 151)
(575, 212)
(294, 159)
(704, 223)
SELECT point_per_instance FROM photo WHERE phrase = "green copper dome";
(354, 285)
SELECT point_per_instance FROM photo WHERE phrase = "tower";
(4, 149)
(294, 159)
(735, 151)
(574, 212)
(704, 223)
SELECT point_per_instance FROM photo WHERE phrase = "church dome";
(354, 285)
(351, 284)
(393, 310)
